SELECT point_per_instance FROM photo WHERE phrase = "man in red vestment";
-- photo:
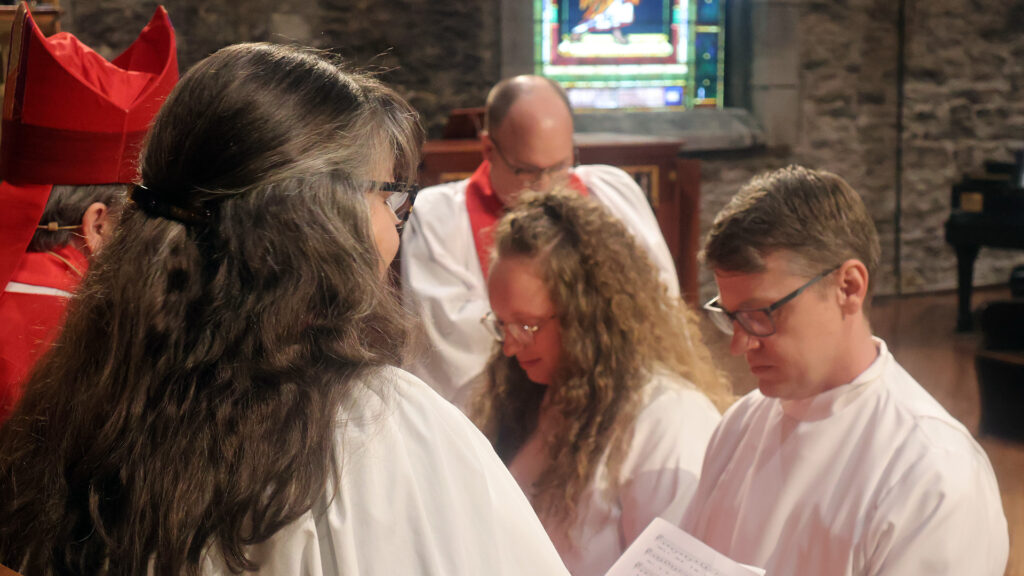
(73, 125)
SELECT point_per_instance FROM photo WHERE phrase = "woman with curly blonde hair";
(602, 396)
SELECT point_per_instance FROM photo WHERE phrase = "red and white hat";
(72, 117)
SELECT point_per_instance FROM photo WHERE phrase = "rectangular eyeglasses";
(757, 321)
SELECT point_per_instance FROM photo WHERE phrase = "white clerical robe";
(658, 475)
(443, 283)
(870, 478)
(422, 492)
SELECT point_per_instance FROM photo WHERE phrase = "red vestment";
(485, 209)
(31, 313)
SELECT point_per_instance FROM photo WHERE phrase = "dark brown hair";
(192, 399)
(66, 206)
(814, 215)
(618, 326)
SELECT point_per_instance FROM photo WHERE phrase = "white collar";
(829, 402)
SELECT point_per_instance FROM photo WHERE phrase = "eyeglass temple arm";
(800, 290)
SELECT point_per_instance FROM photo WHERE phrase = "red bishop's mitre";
(72, 117)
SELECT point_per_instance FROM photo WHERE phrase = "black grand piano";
(988, 210)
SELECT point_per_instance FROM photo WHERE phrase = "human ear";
(96, 225)
(852, 284)
(487, 146)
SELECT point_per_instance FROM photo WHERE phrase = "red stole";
(485, 209)
(31, 321)
(45, 269)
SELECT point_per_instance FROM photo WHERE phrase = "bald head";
(507, 92)
(527, 137)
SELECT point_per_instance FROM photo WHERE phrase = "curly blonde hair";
(618, 325)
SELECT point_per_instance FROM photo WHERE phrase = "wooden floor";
(919, 331)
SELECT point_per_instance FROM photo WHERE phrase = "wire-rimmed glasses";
(531, 175)
(521, 333)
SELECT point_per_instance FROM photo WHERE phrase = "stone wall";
(964, 104)
(440, 55)
(847, 115)
(963, 87)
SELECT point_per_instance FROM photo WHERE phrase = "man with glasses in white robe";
(840, 463)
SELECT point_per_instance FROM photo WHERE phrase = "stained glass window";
(632, 54)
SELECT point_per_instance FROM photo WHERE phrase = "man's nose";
(742, 341)
(541, 183)
(547, 180)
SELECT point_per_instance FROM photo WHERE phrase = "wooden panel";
(687, 212)
(444, 159)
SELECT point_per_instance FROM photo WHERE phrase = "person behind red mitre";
(73, 125)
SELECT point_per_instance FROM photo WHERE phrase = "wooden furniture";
(1000, 368)
(988, 210)
(672, 184)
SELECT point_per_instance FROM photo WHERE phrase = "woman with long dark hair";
(221, 398)
(602, 396)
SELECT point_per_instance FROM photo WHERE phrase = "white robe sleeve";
(422, 492)
(624, 199)
(660, 473)
(943, 517)
(442, 283)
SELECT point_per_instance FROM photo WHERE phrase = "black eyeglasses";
(531, 175)
(757, 322)
(400, 198)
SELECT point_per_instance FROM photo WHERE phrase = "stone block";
(778, 109)
(776, 62)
